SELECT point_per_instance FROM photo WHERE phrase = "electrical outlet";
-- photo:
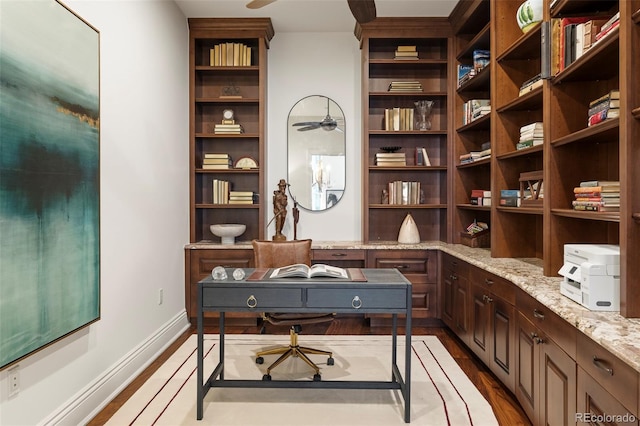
(14, 380)
(160, 296)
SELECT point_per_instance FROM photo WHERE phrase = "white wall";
(144, 196)
(303, 64)
(144, 217)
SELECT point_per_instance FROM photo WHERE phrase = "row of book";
(510, 198)
(399, 159)
(597, 195)
(571, 37)
(230, 54)
(404, 192)
(604, 108)
(481, 59)
(405, 86)
(222, 194)
(228, 129)
(530, 135)
(474, 109)
(404, 52)
(217, 161)
(398, 119)
(480, 197)
(471, 156)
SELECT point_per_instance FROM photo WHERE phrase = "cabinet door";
(447, 303)
(527, 367)
(462, 312)
(557, 386)
(502, 327)
(480, 323)
(595, 404)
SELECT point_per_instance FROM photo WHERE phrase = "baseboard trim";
(94, 397)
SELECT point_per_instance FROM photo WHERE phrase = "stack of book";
(510, 197)
(530, 85)
(530, 135)
(391, 159)
(233, 129)
(406, 52)
(480, 197)
(241, 197)
(402, 192)
(398, 119)
(220, 191)
(604, 108)
(474, 109)
(230, 54)
(597, 196)
(481, 59)
(470, 157)
(213, 161)
(405, 86)
(422, 158)
(608, 27)
(465, 73)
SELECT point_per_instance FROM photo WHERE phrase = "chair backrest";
(275, 254)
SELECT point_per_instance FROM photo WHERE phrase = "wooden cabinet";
(454, 305)
(472, 32)
(379, 40)
(421, 268)
(545, 379)
(492, 323)
(605, 383)
(213, 89)
(199, 264)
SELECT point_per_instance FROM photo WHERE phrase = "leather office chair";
(275, 254)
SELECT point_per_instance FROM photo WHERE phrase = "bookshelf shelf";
(473, 207)
(604, 132)
(482, 123)
(534, 150)
(602, 216)
(527, 102)
(527, 46)
(521, 210)
(480, 41)
(595, 64)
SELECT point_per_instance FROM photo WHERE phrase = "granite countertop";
(617, 334)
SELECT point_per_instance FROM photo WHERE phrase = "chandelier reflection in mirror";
(316, 153)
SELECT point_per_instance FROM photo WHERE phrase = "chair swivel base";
(293, 350)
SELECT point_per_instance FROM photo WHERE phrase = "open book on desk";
(303, 271)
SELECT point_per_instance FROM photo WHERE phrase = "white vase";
(529, 13)
(408, 231)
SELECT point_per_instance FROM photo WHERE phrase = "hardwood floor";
(506, 408)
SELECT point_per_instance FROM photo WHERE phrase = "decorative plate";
(390, 148)
(246, 163)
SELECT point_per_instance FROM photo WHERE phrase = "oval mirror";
(316, 153)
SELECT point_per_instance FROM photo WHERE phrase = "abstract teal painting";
(49, 176)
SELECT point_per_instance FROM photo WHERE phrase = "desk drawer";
(384, 298)
(257, 298)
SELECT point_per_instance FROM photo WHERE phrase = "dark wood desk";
(384, 291)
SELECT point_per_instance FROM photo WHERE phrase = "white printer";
(592, 275)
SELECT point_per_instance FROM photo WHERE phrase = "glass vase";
(423, 109)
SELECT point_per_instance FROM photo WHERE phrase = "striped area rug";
(441, 392)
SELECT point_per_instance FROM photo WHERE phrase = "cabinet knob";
(538, 314)
(486, 298)
(453, 277)
(252, 302)
(602, 365)
(356, 303)
(487, 281)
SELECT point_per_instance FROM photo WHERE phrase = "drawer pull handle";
(487, 281)
(453, 277)
(601, 364)
(356, 303)
(339, 254)
(538, 314)
(536, 338)
(252, 302)
(401, 266)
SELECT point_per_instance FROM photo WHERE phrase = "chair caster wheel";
(330, 361)
(259, 360)
(316, 377)
(266, 377)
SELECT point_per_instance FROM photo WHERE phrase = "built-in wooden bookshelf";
(240, 87)
(472, 32)
(379, 40)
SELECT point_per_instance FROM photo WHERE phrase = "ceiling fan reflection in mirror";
(363, 10)
(328, 123)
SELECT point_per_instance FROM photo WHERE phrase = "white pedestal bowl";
(228, 231)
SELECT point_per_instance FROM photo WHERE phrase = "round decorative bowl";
(228, 231)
